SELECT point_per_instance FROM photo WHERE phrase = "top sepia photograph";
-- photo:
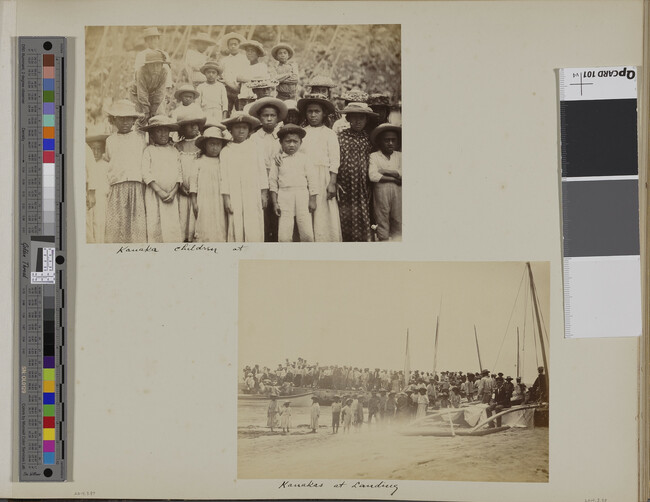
(243, 133)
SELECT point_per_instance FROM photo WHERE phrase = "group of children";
(258, 167)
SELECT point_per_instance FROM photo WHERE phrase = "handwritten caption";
(391, 488)
(181, 248)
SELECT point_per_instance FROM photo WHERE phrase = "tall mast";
(435, 346)
(407, 361)
(477, 350)
(539, 324)
(518, 374)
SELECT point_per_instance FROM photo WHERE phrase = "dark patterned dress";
(354, 192)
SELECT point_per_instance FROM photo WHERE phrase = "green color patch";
(48, 410)
(48, 96)
(49, 374)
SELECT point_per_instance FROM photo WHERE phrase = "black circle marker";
(47, 46)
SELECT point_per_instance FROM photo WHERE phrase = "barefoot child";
(244, 182)
(286, 72)
(161, 172)
(346, 415)
(213, 97)
(336, 414)
(205, 188)
(322, 147)
(125, 213)
(189, 126)
(285, 417)
(293, 186)
(385, 171)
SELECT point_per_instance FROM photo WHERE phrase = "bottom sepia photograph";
(393, 370)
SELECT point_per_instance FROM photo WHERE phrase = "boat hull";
(296, 400)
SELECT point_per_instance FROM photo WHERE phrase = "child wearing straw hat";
(285, 417)
(189, 125)
(125, 212)
(151, 38)
(293, 115)
(353, 96)
(284, 71)
(234, 63)
(97, 180)
(202, 46)
(244, 181)
(205, 187)
(256, 69)
(352, 179)
(293, 185)
(213, 97)
(322, 147)
(186, 96)
(149, 89)
(385, 171)
(161, 172)
(270, 111)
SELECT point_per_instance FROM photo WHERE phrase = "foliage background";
(366, 57)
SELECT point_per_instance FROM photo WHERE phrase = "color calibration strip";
(49, 130)
(41, 259)
(600, 202)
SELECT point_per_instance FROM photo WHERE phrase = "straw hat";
(291, 129)
(212, 123)
(241, 117)
(321, 81)
(211, 65)
(150, 32)
(379, 100)
(356, 95)
(276, 103)
(262, 83)
(203, 37)
(229, 36)
(214, 133)
(160, 121)
(123, 108)
(154, 57)
(255, 45)
(186, 88)
(380, 129)
(96, 133)
(189, 116)
(319, 99)
(279, 46)
(359, 108)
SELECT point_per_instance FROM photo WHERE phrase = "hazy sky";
(357, 313)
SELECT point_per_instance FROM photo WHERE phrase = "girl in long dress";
(352, 179)
(244, 181)
(322, 147)
(315, 414)
(161, 172)
(272, 413)
(205, 188)
(423, 401)
(285, 417)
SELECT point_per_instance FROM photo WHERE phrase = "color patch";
(49, 434)
(48, 362)
(49, 374)
(48, 108)
(48, 121)
(48, 157)
(48, 132)
(48, 96)
(49, 422)
(48, 446)
(48, 386)
(48, 410)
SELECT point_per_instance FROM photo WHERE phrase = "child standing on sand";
(336, 414)
(346, 414)
(285, 417)
(315, 414)
(272, 413)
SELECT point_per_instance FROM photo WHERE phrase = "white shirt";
(379, 161)
(322, 147)
(295, 172)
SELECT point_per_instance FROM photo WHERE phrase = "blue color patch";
(48, 397)
(48, 144)
(49, 458)
(48, 84)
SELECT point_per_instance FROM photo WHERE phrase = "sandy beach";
(516, 455)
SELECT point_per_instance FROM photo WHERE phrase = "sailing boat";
(471, 419)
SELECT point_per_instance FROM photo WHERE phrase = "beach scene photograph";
(393, 370)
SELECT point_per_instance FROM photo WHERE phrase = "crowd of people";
(243, 154)
(385, 393)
